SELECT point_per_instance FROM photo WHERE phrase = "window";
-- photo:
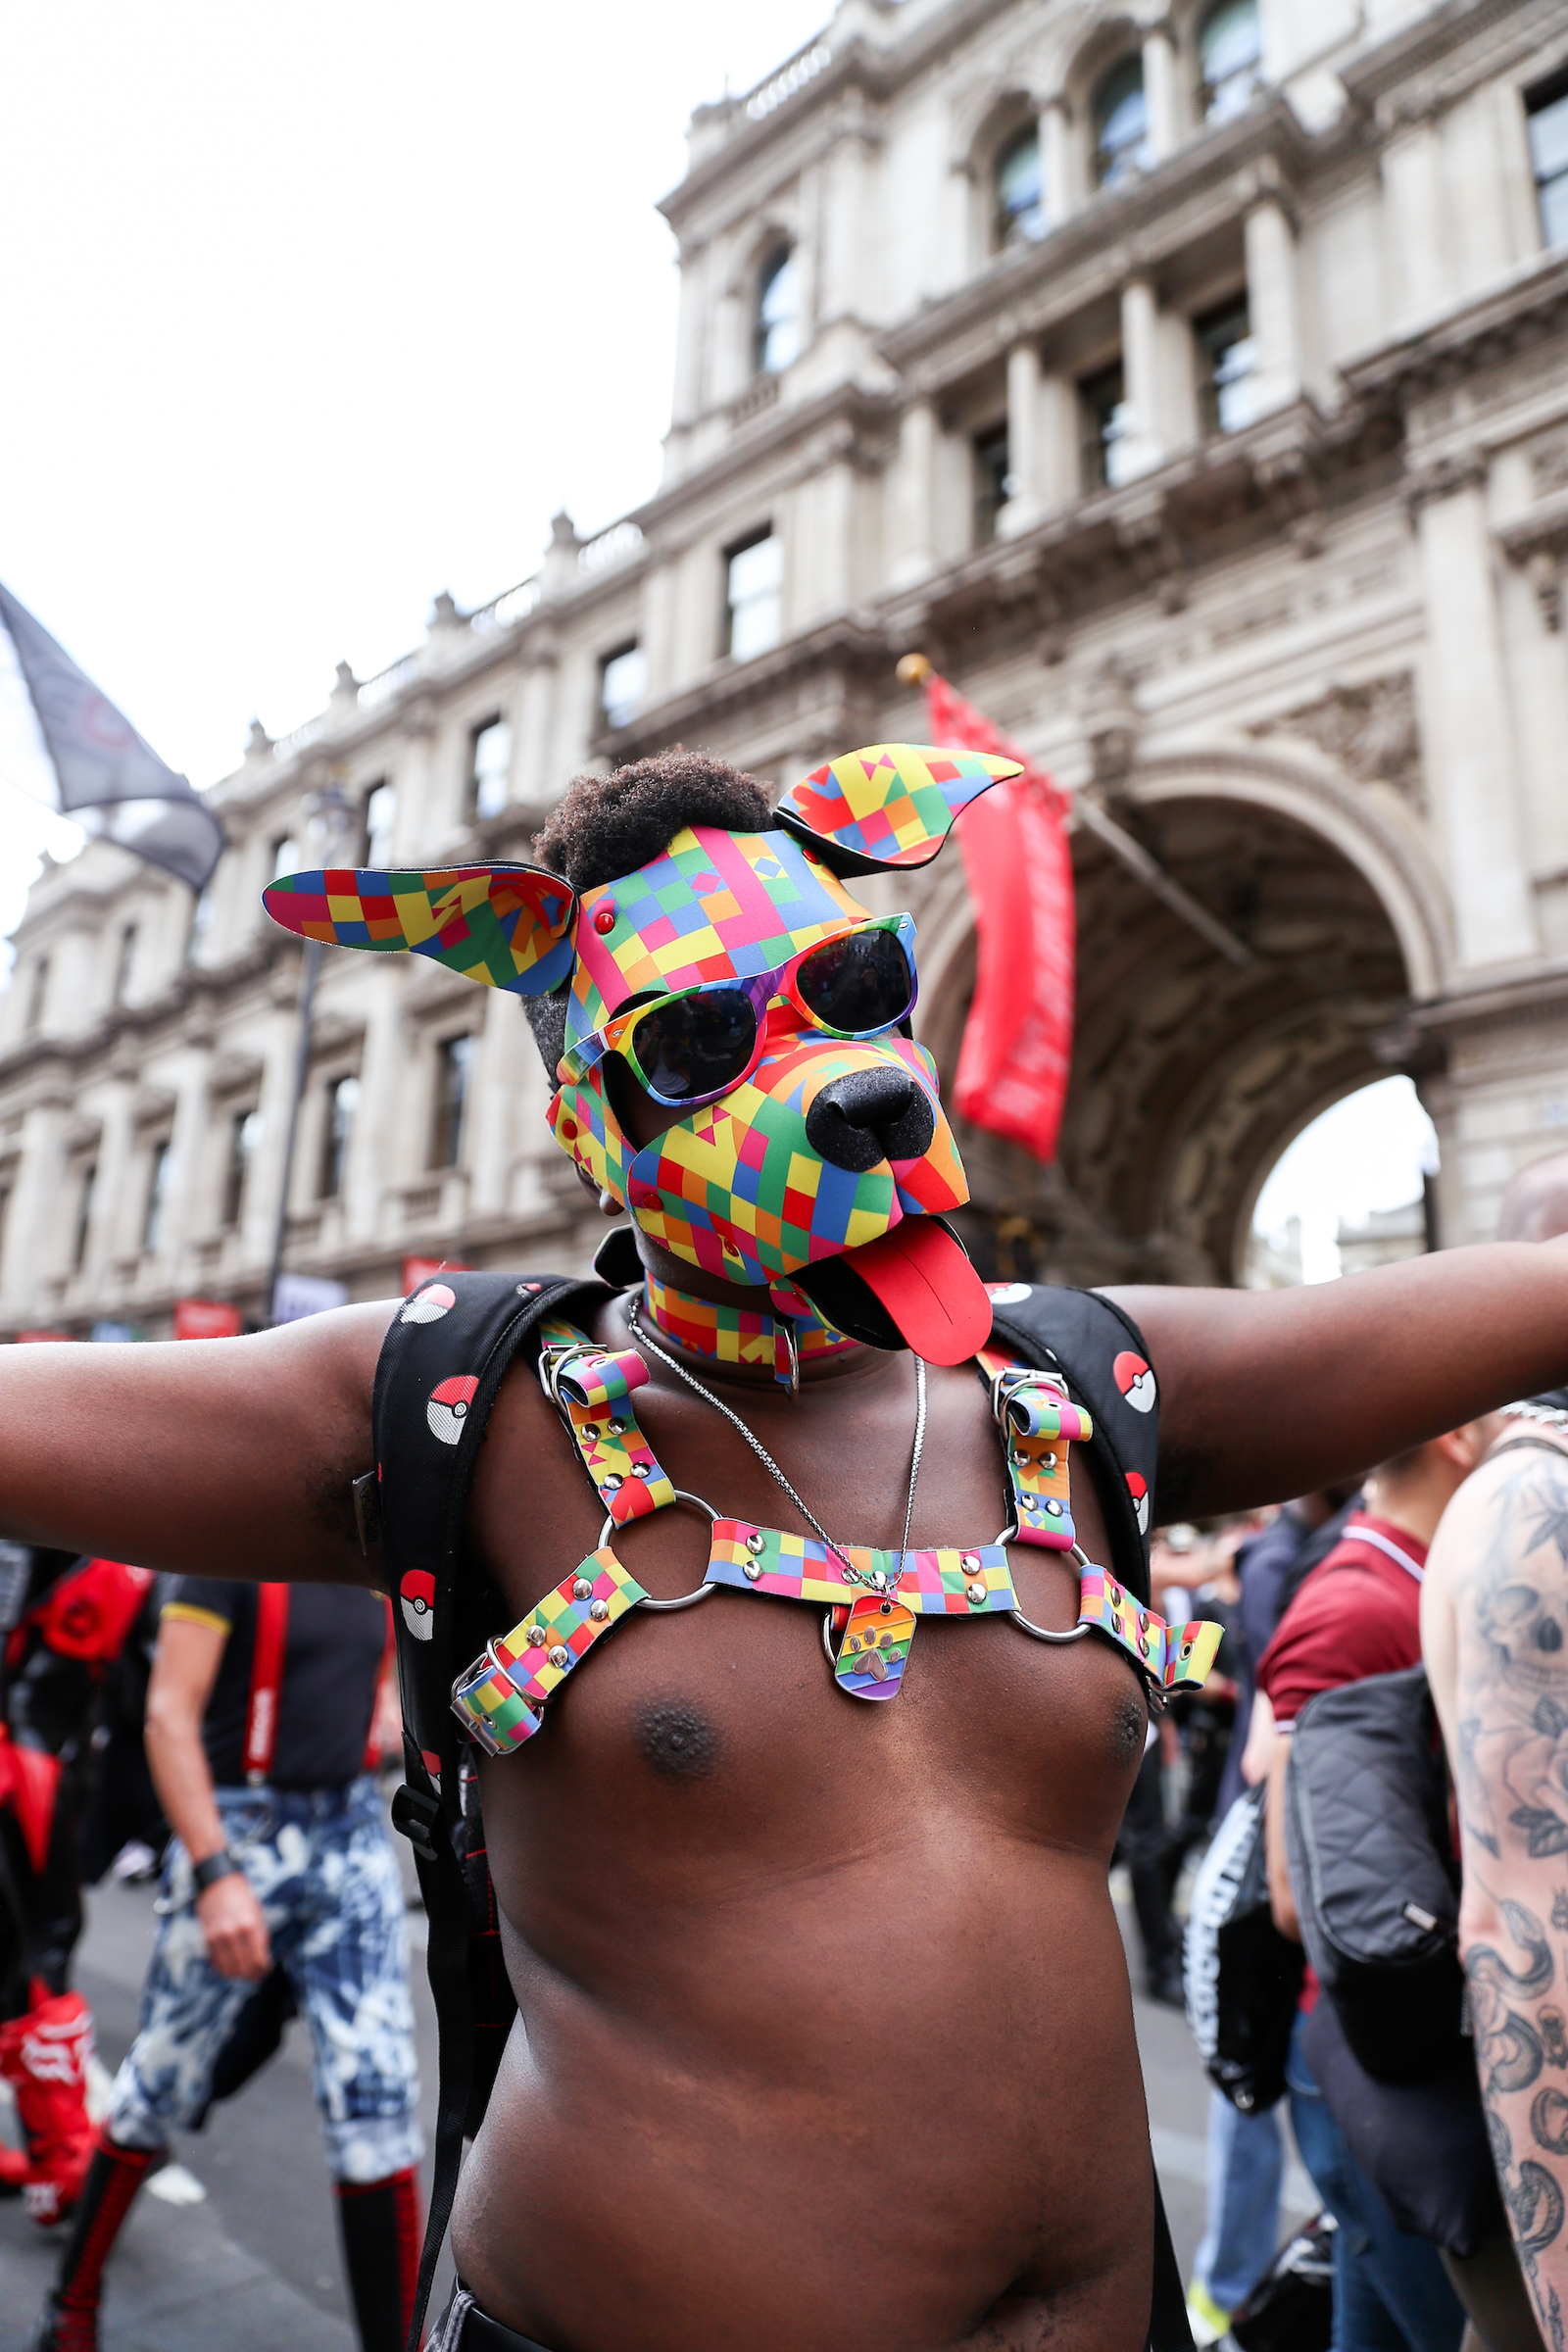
(152, 1231)
(1020, 216)
(124, 961)
(89, 1179)
(342, 1102)
(244, 1129)
(755, 621)
(453, 1064)
(286, 856)
(1103, 400)
(1227, 367)
(490, 769)
(777, 339)
(380, 822)
(993, 483)
(1546, 110)
(623, 683)
(1121, 125)
(37, 993)
(1230, 58)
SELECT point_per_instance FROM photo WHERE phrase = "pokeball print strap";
(1038, 1425)
(1172, 1655)
(504, 926)
(500, 1699)
(890, 804)
(593, 1387)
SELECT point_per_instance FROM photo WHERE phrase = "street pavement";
(254, 2266)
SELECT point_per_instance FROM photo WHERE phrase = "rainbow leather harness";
(874, 1599)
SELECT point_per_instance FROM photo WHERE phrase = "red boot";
(43, 2057)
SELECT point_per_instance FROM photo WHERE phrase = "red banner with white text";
(1017, 1043)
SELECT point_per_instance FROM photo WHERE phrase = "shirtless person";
(825, 2036)
(1494, 1613)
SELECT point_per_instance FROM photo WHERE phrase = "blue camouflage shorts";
(321, 1866)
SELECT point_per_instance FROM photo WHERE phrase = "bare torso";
(825, 2031)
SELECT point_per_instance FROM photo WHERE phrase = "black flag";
(105, 776)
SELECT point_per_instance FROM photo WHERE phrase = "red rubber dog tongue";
(923, 1278)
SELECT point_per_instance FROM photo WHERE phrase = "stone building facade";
(1190, 383)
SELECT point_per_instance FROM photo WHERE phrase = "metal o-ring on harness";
(682, 1600)
(1043, 1633)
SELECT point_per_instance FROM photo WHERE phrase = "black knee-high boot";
(71, 2315)
(382, 2233)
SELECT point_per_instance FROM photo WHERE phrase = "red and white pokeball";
(429, 1305)
(417, 1597)
(1007, 1294)
(1137, 1488)
(447, 1408)
(1134, 1381)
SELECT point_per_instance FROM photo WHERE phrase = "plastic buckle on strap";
(415, 1815)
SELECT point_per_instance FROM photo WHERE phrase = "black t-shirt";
(336, 1639)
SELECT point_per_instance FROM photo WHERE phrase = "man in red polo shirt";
(1360, 1614)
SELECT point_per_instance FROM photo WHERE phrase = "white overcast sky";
(310, 312)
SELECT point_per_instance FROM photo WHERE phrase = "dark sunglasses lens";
(859, 983)
(697, 1045)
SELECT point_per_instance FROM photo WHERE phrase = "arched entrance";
(1191, 1075)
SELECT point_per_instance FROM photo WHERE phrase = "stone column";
(1273, 303)
(1059, 432)
(379, 1118)
(844, 226)
(1055, 160)
(536, 719)
(1143, 446)
(1023, 441)
(35, 1234)
(1469, 731)
(1412, 182)
(688, 399)
(912, 500)
(1160, 96)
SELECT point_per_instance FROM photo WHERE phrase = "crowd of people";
(724, 1908)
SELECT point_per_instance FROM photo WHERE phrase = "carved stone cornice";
(849, 655)
(1494, 327)
(197, 990)
(849, 411)
(1465, 471)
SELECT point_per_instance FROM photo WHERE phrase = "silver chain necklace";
(853, 1575)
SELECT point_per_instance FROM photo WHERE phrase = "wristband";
(211, 1868)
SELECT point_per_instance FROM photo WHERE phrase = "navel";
(675, 1739)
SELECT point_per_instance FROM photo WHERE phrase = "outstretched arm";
(1495, 1609)
(1269, 1394)
(220, 1457)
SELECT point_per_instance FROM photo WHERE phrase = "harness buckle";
(415, 1816)
(1006, 1384)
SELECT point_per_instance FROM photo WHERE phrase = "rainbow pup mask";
(780, 1183)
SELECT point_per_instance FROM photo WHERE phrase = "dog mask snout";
(870, 1115)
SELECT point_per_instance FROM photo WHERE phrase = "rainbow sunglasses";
(694, 1044)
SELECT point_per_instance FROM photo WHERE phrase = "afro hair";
(605, 826)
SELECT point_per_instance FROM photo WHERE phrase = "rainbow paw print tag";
(875, 1644)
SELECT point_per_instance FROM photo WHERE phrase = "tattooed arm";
(1494, 1635)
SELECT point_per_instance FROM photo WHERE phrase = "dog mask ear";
(504, 926)
(888, 805)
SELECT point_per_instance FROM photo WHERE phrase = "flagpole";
(331, 819)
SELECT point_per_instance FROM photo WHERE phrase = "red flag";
(1017, 1043)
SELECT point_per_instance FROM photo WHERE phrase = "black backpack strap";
(442, 1363)
(1106, 1359)
(1169, 2329)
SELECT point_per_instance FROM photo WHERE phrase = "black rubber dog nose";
(870, 1115)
